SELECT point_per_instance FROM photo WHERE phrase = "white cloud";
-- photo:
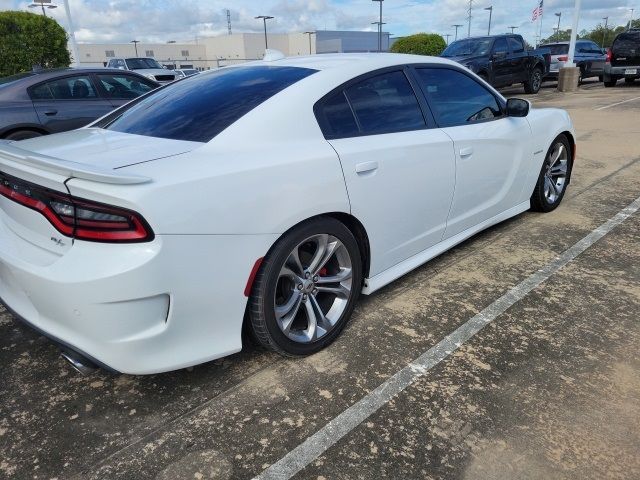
(181, 20)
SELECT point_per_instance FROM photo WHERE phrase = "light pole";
(264, 21)
(469, 19)
(559, 15)
(512, 28)
(72, 35)
(135, 43)
(604, 34)
(41, 4)
(457, 25)
(309, 33)
(447, 35)
(574, 34)
(631, 19)
(379, 33)
(379, 26)
(490, 8)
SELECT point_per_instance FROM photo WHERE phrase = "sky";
(120, 21)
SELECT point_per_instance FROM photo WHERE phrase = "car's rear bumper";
(622, 71)
(137, 308)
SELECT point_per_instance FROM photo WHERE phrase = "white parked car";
(272, 193)
(146, 66)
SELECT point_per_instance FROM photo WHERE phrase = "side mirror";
(517, 107)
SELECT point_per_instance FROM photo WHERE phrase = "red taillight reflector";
(563, 58)
(609, 55)
(252, 277)
(78, 218)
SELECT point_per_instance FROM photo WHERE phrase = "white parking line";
(323, 439)
(617, 103)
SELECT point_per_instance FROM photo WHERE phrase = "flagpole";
(541, 14)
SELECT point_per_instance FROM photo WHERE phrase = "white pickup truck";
(148, 67)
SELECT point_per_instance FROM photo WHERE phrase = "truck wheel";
(535, 81)
(629, 80)
(611, 82)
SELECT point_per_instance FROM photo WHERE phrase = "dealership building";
(205, 53)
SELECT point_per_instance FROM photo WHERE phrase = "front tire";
(533, 84)
(306, 289)
(554, 176)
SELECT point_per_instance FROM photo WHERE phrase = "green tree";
(420, 44)
(28, 40)
(562, 36)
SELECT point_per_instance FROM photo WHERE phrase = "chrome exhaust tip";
(79, 363)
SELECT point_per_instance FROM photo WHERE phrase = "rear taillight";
(75, 217)
(609, 55)
(563, 58)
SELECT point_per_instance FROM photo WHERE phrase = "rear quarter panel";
(264, 174)
(17, 114)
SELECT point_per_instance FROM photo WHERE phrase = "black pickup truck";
(502, 60)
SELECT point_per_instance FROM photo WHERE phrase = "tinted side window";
(500, 46)
(124, 86)
(455, 98)
(69, 88)
(201, 106)
(385, 103)
(337, 118)
(516, 45)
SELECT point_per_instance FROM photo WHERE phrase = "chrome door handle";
(366, 167)
(466, 152)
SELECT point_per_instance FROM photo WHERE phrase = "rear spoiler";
(9, 151)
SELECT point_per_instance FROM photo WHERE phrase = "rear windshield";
(201, 106)
(561, 49)
(475, 46)
(627, 41)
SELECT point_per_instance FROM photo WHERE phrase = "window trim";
(405, 69)
(501, 103)
(89, 76)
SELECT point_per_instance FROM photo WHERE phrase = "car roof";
(360, 61)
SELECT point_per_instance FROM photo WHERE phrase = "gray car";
(52, 101)
(588, 57)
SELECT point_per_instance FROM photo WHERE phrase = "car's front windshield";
(141, 63)
(474, 46)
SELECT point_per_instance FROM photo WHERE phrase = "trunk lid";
(31, 168)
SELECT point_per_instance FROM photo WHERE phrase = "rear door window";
(500, 46)
(68, 88)
(200, 108)
(516, 45)
(385, 103)
(337, 117)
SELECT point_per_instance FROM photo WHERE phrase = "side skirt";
(380, 280)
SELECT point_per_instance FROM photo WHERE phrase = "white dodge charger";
(267, 195)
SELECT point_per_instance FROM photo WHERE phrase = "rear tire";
(22, 135)
(554, 176)
(533, 84)
(629, 80)
(306, 288)
(611, 82)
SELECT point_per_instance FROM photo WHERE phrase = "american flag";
(537, 12)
